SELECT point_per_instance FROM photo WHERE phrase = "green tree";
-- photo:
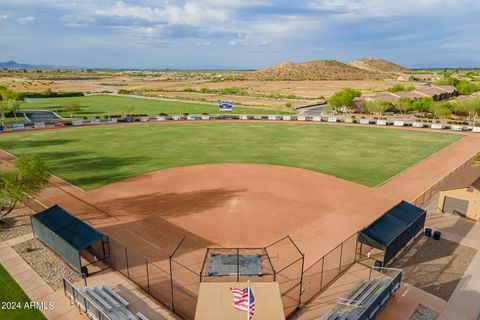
(13, 106)
(4, 109)
(470, 107)
(404, 105)
(377, 106)
(343, 98)
(27, 176)
(466, 88)
(422, 104)
(441, 109)
(447, 80)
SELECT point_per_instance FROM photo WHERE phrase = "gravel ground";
(424, 313)
(46, 263)
(435, 266)
(17, 224)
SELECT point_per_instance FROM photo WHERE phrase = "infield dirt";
(246, 205)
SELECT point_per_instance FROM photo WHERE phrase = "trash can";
(436, 235)
(428, 232)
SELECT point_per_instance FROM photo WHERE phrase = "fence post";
(301, 282)
(148, 277)
(74, 298)
(340, 262)
(321, 274)
(171, 283)
(126, 260)
(356, 250)
(238, 265)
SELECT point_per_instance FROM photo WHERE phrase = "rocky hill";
(376, 65)
(314, 70)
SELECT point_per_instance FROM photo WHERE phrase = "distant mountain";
(376, 65)
(314, 70)
(15, 65)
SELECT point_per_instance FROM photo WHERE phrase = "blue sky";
(239, 33)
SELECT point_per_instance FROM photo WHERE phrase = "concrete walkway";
(400, 307)
(139, 301)
(464, 304)
(39, 291)
(33, 285)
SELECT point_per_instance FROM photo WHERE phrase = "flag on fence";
(243, 300)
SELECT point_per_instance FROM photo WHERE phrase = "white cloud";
(26, 20)
(360, 9)
(191, 13)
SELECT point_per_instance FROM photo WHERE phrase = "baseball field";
(94, 157)
(100, 105)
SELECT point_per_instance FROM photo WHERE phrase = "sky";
(238, 34)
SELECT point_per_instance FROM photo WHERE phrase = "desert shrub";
(466, 88)
(377, 106)
(400, 87)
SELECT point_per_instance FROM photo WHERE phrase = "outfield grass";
(92, 106)
(93, 157)
(10, 291)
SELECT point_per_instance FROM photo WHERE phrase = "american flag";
(240, 300)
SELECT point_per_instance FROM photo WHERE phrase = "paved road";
(312, 111)
(41, 116)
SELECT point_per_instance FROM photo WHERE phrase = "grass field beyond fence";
(92, 106)
(94, 157)
(10, 291)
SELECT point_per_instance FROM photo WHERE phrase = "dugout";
(393, 230)
(65, 234)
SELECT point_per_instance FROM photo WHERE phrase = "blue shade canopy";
(392, 231)
(74, 231)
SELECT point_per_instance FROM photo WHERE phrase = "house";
(460, 193)
(437, 93)
(409, 94)
(381, 96)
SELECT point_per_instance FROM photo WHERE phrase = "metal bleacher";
(101, 303)
(366, 297)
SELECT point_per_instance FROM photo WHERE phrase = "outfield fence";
(458, 126)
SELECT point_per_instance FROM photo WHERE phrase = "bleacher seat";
(115, 295)
(361, 293)
(97, 298)
(141, 316)
(114, 303)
